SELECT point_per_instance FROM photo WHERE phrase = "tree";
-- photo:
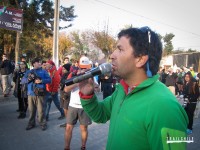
(38, 24)
(168, 47)
(105, 42)
(7, 41)
(65, 44)
(79, 48)
(191, 50)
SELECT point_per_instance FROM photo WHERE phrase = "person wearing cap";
(52, 90)
(142, 111)
(75, 110)
(36, 78)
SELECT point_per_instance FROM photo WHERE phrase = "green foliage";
(65, 44)
(79, 48)
(191, 50)
(178, 51)
(38, 17)
(168, 47)
(67, 15)
(104, 41)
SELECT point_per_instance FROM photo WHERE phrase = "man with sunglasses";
(143, 113)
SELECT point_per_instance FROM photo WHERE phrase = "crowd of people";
(174, 78)
(184, 83)
(141, 110)
(40, 83)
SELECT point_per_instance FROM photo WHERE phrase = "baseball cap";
(50, 62)
(84, 63)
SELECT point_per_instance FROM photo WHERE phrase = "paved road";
(14, 136)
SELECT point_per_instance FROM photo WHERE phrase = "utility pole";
(17, 37)
(17, 47)
(56, 32)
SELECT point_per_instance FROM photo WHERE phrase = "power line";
(131, 12)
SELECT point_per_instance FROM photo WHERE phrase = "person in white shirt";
(75, 110)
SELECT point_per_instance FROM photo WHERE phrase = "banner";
(11, 19)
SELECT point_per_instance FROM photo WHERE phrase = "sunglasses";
(148, 32)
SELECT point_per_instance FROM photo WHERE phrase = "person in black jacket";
(106, 85)
(21, 89)
(191, 94)
(6, 73)
(65, 96)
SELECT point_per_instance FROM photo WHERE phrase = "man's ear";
(141, 61)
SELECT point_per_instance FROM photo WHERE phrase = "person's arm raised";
(87, 87)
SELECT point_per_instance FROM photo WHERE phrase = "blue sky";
(180, 17)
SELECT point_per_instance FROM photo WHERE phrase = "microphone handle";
(70, 81)
(82, 77)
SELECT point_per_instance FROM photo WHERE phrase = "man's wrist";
(89, 96)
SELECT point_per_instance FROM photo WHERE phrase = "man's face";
(187, 78)
(4, 57)
(22, 65)
(76, 64)
(123, 60)
(23, 59)
(37, 65)
(44, 66)
(48, 66)
(66, 61)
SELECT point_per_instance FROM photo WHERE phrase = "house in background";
(188, 60)
(183, 59)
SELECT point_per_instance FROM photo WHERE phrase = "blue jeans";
(48, 99)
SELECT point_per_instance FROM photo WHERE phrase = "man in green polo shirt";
(143, 113)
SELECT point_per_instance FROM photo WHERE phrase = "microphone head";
(105, 68)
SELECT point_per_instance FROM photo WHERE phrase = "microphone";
(104, 69)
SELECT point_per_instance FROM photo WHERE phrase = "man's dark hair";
(23, 57)
(44, 61)
(139, 40)
(35, 60)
